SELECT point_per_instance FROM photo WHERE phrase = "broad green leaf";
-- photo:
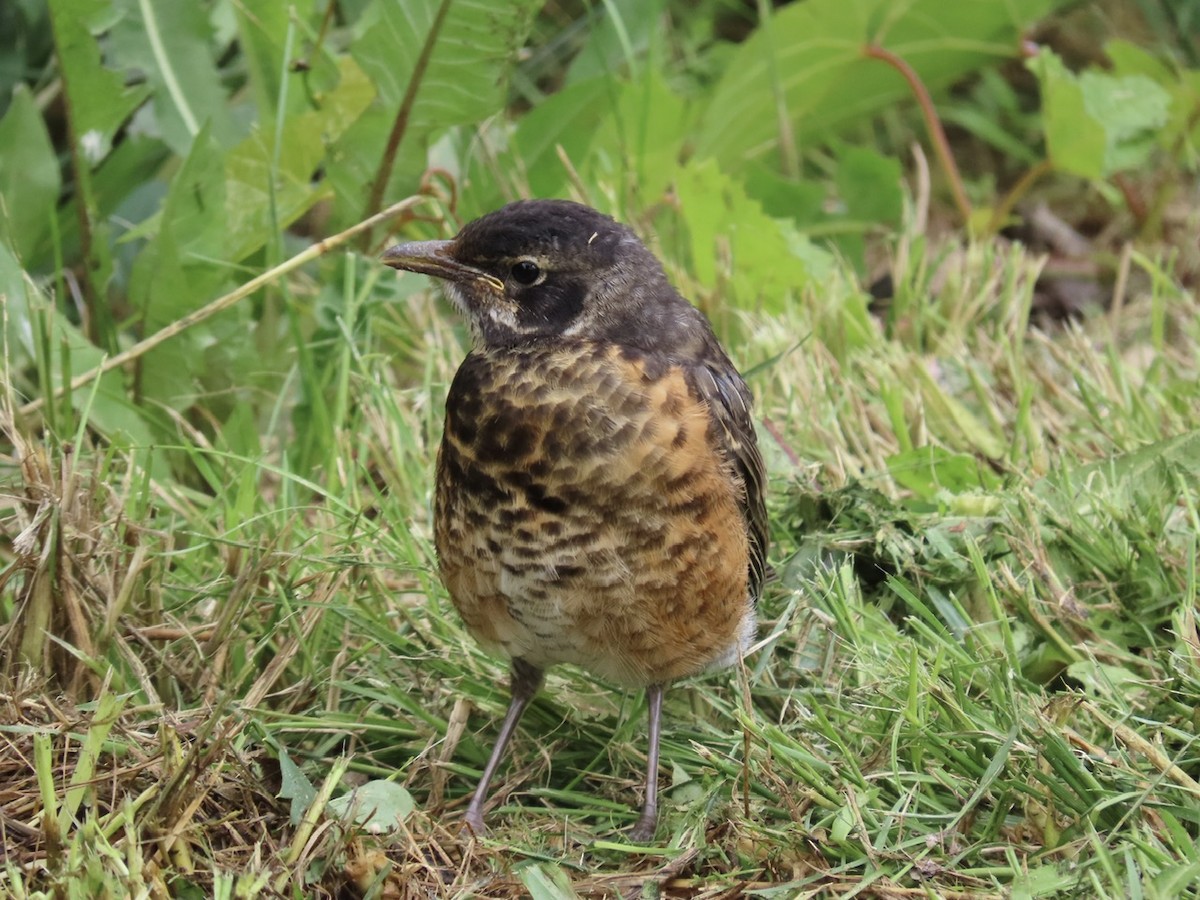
(267, 192)
(123, 192)
(566, 119)
(618, 36)
(869, 188)
(843, 823)
(353, 162)
(1076, 141)
(25, 39)
(166, 290)
(1129, 59)
(784, 198)
(29, 179)
(642, 138)
(1132, 109)
(192, 212)
(445, 62)
(468, 44)
(99, 101)
(252, 216)
(377, 806)
(1181, 132)
(170, 43)
(1096, 123)
(262, 32)
(868, 184)
(311, 69)
(928, 471)
(809, 59)
(1146, 476)
(192, 222)
(1103, 679)
(174, 276)
(338, 106)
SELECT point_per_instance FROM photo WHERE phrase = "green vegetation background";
(226, 665)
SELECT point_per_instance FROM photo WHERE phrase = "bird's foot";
(473, 822)
(643, 831)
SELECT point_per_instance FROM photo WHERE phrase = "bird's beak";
(436, 258)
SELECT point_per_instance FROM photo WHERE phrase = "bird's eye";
(525, 272)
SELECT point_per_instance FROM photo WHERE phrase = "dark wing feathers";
(729, 404)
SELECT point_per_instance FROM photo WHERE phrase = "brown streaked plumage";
(599, 496)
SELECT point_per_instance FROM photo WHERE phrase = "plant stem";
(400, 125)
(320, 248)
(937, 134)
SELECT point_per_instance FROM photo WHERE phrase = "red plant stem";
(400, 125)
(936, 133)
(777, 435)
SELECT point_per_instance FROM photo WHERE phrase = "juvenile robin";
(599, 489)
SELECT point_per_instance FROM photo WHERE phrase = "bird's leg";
(644, 829)
(526, 680)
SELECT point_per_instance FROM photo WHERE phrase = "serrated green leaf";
(167, 290)
(1131, 109)
(340, 104)
(192, 222)
(173, 275)
(446, 62)
(801, 201)
(767, 258)
(29, 179)
(265, 192)
(468, 43)
(337, 133)
(1128, 58)
(262, 30)
(869, 187)
(1097, 124)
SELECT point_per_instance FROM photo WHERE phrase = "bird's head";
(539, 268)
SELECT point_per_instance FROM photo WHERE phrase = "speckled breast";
(583, 514)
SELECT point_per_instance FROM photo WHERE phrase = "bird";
(599, 490)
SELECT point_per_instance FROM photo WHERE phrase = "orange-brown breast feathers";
(601, 507)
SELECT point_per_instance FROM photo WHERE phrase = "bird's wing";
(729, 404)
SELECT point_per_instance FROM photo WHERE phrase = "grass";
(977, 675)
